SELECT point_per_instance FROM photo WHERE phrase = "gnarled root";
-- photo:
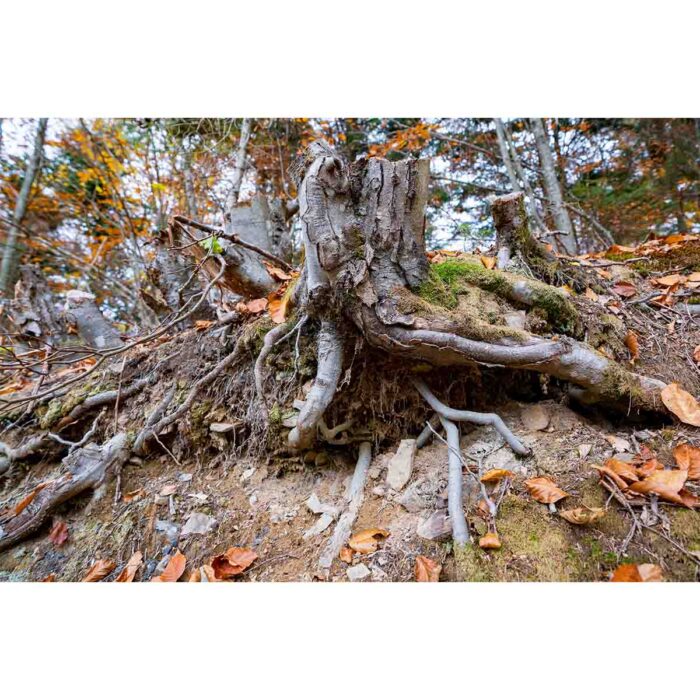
(271, 338)
(87, 469)
(330, 364)
(460, 531)
(354, 498)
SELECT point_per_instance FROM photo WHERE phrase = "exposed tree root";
(87, 469)
(353, 498)
(330, 365)
(455, 508)
(271, 338)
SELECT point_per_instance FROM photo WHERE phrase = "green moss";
(471, 563)
(275, 414)
(58, 408)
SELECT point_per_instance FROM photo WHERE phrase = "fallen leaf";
(632, 343)
(488, 262)
(544, 490)
(649, 467)
(688, 457)
(277, 273)
(204, 574)
(346, 555)
(29, 498)
(174, 569)
(490, 541)
(134, 495)
(590, 294)
(668, 280)
(584, 450)
(49, 578)
(496, 475)
(696, 353)
(582, 516)
(637, 573)
(129, 571)
(168, 490)
(682, 404)
(255, 306)
(426, 570)
(624, 289)
(665, 483)
(203, 324)
(365, 541)
(235, 561)
(618, 443)
(59, 533)
(100, 569)
(278, 309)
(689, 500)
(622, 469)
(621, 483)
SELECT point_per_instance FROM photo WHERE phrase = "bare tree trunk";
(505, 155)
(93, 328)
(239, 167)
(562, 221)
(9, 268)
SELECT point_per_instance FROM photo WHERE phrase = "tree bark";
(8, 267)
(93, 328)
(560, 215)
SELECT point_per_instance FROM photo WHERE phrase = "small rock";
(619, 444)
(436, 527)
(358, 572)
(401, 465)
(299, 404)
(374, 472)
(221, 427)
(378, 574)
(313, 503)
(378, 491)
(201, 497)
(584, 450)
(184, 477)
(170, 530)
(321, 524)
(290, 420)
(535, 417)
(198, 524)
(321, 459)
(414, 500)
(168, 490)
(247, 474)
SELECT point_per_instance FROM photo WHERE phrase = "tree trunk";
(560, 215)
(9, 266)
(505, 155)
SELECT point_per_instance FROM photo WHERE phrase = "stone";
(198, 524)
(247, 474)
(321, 524)
(584, 450)
(221, 427)
(515, 319)
(618, 444)
(415, 500)
(184, 477)
(358, 572)
(535, 417)
(378, 491)
(436, 527)
(374, 472)
(313, 503)
(401, 465)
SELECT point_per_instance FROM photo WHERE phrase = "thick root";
(455, 507)
(87, 469)
(330, 364)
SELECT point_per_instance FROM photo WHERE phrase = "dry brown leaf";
(59, 533)
(583, 515)
(100, 569)
(688, 457)
(278, 308)
(29, 498)
(488, 262)
(490, 541)
(632, 343)
(622, 469)
(168, 490)
(49, 578)
(365, 541)
(649, 467)
(255, 306)
(621, 483)
(668, 280)
(426, 570)
(682, 404)
(278, 273)
(496, 475)
(665, 483)
(204, 574)
(203, 324)
(174, 569)
(624, 289)
(689, 500)
(637, 573)
(134, 495)
(346, 555)
(590, 294)
(696, 353)
(544, 490)
(129, 571)
(235, 561)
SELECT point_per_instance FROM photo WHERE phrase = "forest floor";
(272, 505)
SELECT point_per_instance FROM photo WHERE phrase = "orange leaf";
(100, 569)
(544, 490)
(632, 343)
(696, 353)
(204, 574)
(688, 457)
(174, 569)
(582, 516)
(426, 570)
(346, 555)
(637, 573)
(256, 305)
(681, 404)
(490, 541)
(624, 289)
(622, 469)
(129, 571)
(649, 467)
(59, 533)
(278, 308)
(668, 280)
(28, 499)
(665, 483)
(49, 578)
(621, 484)
(235, 561)
(487, 262)
(496, 475)
(203, 324)
(365, 541)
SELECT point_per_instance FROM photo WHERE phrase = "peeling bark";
(93, 328)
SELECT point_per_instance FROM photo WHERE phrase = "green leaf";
(212, 245)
